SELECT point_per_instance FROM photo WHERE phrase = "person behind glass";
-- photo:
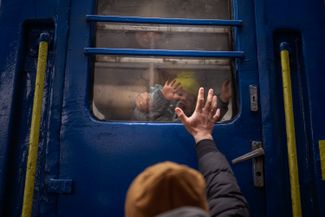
(169, 189)
(160, 103)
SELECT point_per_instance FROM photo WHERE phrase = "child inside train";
(159, 104)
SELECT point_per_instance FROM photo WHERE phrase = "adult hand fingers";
(214, 104)
(208, 103)
(181, 115)
(200, 100)
(216, 116)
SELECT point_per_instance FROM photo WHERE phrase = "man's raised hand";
(200, 124)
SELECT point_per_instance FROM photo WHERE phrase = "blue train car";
(102, 57)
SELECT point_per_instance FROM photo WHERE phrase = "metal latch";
(256, 155)
(253, 98)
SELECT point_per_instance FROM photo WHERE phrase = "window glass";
(145, 88)
(175, 37)
(196, 9)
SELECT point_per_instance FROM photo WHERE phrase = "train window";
(198, 9)
(136, 88)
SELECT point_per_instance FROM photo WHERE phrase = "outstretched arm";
(223, 193)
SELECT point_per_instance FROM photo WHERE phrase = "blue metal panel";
(14, 17)
(111, 154)
(21, 120)
(286, 15)
(59, 186)
(102, 158)
(154, 20)
(161, 52)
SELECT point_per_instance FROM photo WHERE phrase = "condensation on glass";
(133, 88)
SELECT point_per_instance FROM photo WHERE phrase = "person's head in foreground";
(163, 187)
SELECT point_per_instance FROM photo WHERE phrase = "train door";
(297, 74)
(105, 142)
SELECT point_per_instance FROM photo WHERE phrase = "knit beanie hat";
(188, 82)
(163, 187)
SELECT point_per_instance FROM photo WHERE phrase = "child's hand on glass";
(142, 102)
(172, 90)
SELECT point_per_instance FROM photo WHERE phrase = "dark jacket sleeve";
(223, 193)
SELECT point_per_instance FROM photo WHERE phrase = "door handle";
(248, 156)
(256, 155)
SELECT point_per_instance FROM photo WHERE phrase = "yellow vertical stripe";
(291, 137)
(35, 129)
(321, 144)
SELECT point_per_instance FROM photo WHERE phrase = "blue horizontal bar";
(156, 20)
(161, 52)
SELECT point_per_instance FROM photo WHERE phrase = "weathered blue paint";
(59, 186)
(114, 153)
(272, 17)
(16, 19)
(155, 20)
(161, 52)
(101, 158)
